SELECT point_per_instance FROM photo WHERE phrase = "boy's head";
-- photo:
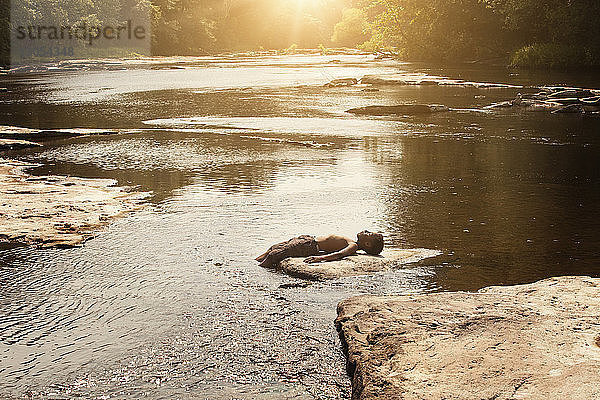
(370, 242)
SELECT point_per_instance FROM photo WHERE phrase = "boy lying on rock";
(320, 249)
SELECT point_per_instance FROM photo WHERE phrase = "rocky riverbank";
(57, 210)
(556, 100)
(535, 341)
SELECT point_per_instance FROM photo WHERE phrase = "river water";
(240, 153)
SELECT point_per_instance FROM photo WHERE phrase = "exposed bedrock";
(57, 210)
(556, 100)
(535, 341)
(342, 82)
(401, 109)
(17, 132)
(420, 79)
(12, 144)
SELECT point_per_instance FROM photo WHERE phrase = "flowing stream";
(240, 153)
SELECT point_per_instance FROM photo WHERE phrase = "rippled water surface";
(241, 153)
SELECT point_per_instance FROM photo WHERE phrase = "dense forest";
(534, 33)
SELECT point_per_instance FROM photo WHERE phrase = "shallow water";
(167, 302)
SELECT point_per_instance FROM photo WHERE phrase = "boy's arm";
(338, 255)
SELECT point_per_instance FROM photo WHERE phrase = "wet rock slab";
(536, 341)
(360, 264)
(556, 100)
(12, 144)
(57, 210)
(401, 109)
(17, 132)
(417, 79)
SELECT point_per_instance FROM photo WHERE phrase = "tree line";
(533, 33)
(536, 33)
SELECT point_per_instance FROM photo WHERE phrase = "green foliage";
(436, 30)
(538, 33)
(551, 21)
(353, 29)
(553, 34)
(555, 56)
(324, 50)
(292, 49)
(456, 30)
(182, 27)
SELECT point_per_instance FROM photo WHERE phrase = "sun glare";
(306, 3)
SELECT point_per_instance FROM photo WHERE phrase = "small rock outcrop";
(342, 82)
(536, 341)
(557, 100)
(17, 132)
(12, 144)
(61, 211)
(402, 109)
(421, 79)
(359, 264)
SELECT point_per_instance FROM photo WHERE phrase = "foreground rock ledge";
(537, 341)
(359, 264)
(57, 210)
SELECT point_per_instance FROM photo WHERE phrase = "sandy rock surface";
(57, 210)
(536, 341)
(360, 264)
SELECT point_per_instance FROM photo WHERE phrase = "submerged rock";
(565, 93)
(402, 109)
(420, 79)
(359, 264)
(571, 108)
(591, 101)
(57, 210)
(342, 82)
(17, 132)
(12, 144)
(536, 341)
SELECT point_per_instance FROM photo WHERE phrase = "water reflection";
(507, 212)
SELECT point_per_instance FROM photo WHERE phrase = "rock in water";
(536, 341)
(17, 132)
(570, 109)
(402, 109)
(63, 211)
(359, 264)
(571, 93)
(11, 144)
(342, 82)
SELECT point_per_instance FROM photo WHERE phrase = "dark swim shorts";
(301, 246)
